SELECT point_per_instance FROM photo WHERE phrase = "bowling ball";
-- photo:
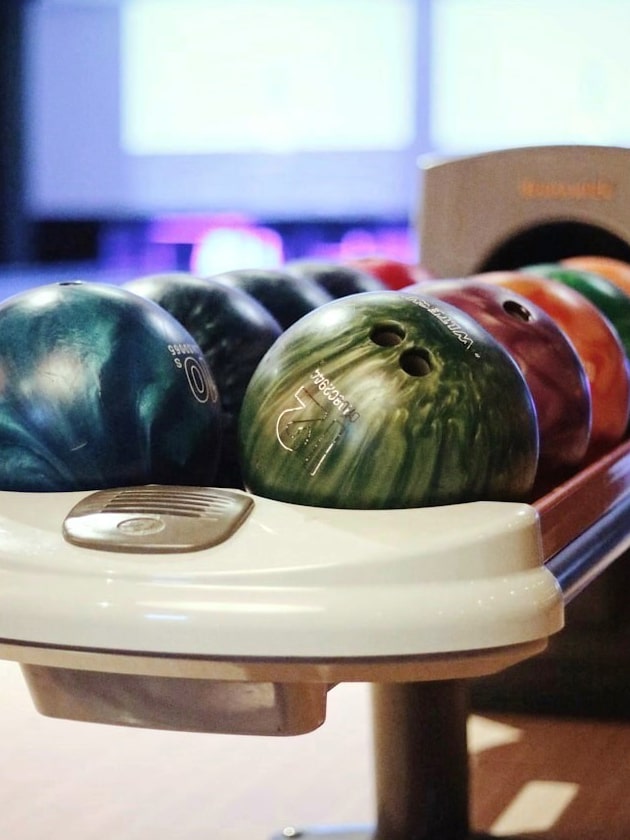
(608, 298)
(597, 344)
(388, 400)
(337, 279)
(551, 367)
(101, 388)
(233, 330)
(286, 297)
(395, 274)
(617, 271)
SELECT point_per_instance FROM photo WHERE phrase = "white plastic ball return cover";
(177, 588)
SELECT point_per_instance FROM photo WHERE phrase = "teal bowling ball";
(388, 400)
(101, 388)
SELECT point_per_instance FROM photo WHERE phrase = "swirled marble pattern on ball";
(388, 400)
(101, 388)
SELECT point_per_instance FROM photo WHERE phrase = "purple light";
(391, 243)
(224, 246)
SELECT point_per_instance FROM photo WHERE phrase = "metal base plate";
(156, 519)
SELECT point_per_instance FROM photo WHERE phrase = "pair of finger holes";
(416, 361)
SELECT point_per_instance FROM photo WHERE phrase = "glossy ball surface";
(388, 400)
(101, 388)
(547, 359)
(395, 274)
(335, 278)
(233, 330)
(597, 344)
(617, 271)
(286, 297)
(608, 298)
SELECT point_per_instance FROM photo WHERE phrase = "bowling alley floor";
(550, 778)
(533, 778)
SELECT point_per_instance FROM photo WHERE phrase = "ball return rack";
(213, 610)
(223, 612)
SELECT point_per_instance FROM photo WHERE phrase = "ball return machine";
(210, 610)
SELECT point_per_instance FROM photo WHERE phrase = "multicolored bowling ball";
(597, 344)
(608, 298)
(337, 279)
(233, 330)
(388, 400)
(101, 388)
(288, 298)
(551, 367)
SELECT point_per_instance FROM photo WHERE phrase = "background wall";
(14, 229)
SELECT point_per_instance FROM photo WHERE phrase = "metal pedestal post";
(421, 761)
(421, 758)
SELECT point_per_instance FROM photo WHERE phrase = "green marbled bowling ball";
(101, 388)
(388, 400)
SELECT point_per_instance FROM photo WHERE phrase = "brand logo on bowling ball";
(200, 381)
(316, 423)
(460, 334)
(331, 393)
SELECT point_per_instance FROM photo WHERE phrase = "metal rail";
(576, 507)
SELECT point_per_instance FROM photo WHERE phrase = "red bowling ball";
(395, 274)
(549, 362)
(596, 342)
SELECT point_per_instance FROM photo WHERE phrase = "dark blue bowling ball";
(286, 296)
(233, 330)
(337, 279)
(101, 388)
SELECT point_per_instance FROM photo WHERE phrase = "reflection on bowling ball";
(551, 367)
(608, 298)
(337, 279)
(101, 388)
(288, 298)
(597, 344)
(233, 330)
(388, 400)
